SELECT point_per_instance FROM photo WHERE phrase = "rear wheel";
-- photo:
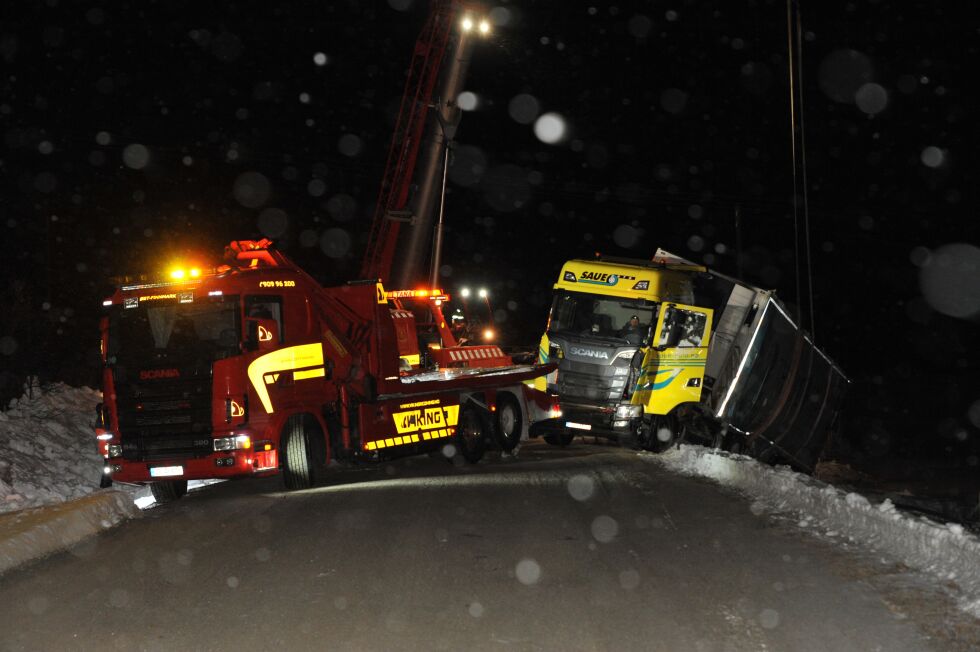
(300, 461)
(471, 433)
(168, 491)
(510, 422)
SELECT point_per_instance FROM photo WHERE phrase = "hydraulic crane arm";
(423, 73)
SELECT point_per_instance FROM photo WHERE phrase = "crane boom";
(423, 73)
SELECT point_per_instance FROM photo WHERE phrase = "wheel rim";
(507, 420)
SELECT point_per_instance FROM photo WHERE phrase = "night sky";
(137, 133)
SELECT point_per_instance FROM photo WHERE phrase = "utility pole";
(738, 241)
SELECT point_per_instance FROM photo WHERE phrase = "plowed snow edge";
(35, 533)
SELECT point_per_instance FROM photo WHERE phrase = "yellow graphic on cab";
(304, 356)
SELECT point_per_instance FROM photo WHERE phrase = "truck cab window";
(682, 328)
(265, 307)
(609, 317)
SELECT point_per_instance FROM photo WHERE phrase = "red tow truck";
(252, 367)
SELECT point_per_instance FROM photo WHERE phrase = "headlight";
(626, 354)
(237, 442)
(114, 450)
(555, 352)
(628, 411)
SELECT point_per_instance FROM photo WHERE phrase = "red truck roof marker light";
(180, 274)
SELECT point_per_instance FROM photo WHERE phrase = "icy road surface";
(586, 548)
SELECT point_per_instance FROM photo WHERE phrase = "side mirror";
(262, 334)
(637, 361)
(100, 419)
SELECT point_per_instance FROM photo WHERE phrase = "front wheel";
(510, 422)
(662, 434)
(168, 491)
(299, 463)
(559, 439)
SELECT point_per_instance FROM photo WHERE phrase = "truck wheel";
(663, 433)
(168, 491)
(471, 433)
(559, 439)
(510, 422)
(298, 463)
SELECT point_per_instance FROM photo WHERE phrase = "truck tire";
(168, 491)
(664, 432)
(298, 459)
(509, 422)
(559, 439)
(471, 433)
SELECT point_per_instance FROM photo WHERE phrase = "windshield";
(596, 315)
(202, 330)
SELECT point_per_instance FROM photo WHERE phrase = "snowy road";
(589, 548)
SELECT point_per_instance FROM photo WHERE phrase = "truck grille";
(165, 417)
(591, 383)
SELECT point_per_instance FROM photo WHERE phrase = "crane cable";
(806, 185)
(795, 52)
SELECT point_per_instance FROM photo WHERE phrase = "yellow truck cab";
(653, 351)
(629, 344)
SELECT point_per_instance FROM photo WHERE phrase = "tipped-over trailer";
(253, 367)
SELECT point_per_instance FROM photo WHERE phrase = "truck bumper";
(219, 465)
(596, 423)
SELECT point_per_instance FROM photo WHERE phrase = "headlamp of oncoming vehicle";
(236, 442)
(114, 450)
(628, 411)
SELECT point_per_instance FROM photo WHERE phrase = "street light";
(489, 333)
(468, 25)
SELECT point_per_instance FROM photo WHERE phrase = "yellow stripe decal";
(293, 357)
(309, 373)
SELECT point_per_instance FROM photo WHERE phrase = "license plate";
(578, 426)
(165, 471)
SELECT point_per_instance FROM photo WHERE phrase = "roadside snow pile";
(47, 447)
(945, 551)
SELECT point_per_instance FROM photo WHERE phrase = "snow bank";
(945, 551)
(47, 447)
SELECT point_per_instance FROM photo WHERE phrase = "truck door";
(673, 369)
